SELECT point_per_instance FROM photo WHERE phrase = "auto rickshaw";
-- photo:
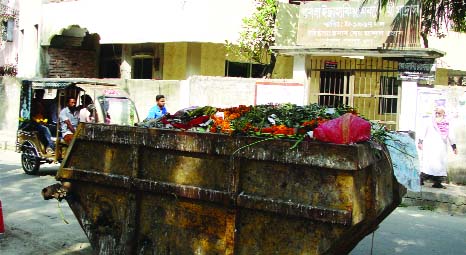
(110, 105)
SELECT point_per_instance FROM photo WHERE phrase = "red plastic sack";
(346, 129)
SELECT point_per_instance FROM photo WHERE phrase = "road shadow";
(8, 167)
(48, 172)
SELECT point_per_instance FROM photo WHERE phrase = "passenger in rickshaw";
(69, 119)
(39, 113)
(87, 112)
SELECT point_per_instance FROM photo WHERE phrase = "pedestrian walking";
(433, 143)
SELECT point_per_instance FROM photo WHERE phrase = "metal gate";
(369, 85)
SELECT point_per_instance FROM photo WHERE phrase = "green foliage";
(379, 133)
(427, 207)
(258, 33)
(289, 115)
(439, 14)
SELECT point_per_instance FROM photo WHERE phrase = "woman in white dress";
(434, 143)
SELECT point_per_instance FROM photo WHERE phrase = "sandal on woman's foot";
(438, 186)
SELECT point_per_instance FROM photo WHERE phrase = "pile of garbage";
(340, 125)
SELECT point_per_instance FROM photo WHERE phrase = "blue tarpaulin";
(403, 152)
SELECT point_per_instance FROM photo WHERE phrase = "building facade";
(350, 53)
(9, 41)
(142, 39)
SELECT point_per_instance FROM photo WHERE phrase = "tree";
(438, 15)
(258, 35)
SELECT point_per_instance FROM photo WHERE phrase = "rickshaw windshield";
(118, 110)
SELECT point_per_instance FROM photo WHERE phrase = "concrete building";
(335, 52)
(9, 41)
(141, 39)
(351, 54)
(348, 53)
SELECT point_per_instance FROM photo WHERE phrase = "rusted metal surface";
(152, 191)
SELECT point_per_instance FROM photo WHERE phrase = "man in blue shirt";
(159, 109)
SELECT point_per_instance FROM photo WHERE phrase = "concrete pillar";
(408, 106)
(193, 59)
(299, 75)
(126, 62)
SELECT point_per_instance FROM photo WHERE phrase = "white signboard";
(279, 93)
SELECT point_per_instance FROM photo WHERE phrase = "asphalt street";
(35, 226)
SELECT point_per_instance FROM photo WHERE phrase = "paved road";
(35, 226)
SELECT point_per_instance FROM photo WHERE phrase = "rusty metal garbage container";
(154, 191)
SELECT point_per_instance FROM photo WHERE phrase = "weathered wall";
(283, 68)
(221, 92)
(182, 60)
(212, 59)
(441, 76)
(143, 93)
(9, 105)
(72, 63)
(196, 91)
(174, 61)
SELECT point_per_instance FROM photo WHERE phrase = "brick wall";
(72, 63)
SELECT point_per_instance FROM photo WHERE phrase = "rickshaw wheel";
(30, 161)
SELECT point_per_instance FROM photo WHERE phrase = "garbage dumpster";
(156, 191)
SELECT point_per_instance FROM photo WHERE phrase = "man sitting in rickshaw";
(38, 113)
(69, 119)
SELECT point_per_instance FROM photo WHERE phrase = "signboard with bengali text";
(350, 24)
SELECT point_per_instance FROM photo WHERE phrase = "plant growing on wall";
(8, 70)
(257, 36)
(7, 14)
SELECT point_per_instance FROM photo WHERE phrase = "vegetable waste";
(340, 125)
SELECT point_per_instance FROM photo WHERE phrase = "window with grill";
(334, 88)
(388, 101)
(245, 70)
(142, 68)
(7, 33)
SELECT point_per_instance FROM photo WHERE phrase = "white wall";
(408, 106)
(9, 105)
(453, 46)
(137, 21)
(29, 49)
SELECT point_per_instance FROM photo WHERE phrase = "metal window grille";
(388, 101)
(334, 88)
(369, 85)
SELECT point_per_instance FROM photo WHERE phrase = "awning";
(412, 52)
